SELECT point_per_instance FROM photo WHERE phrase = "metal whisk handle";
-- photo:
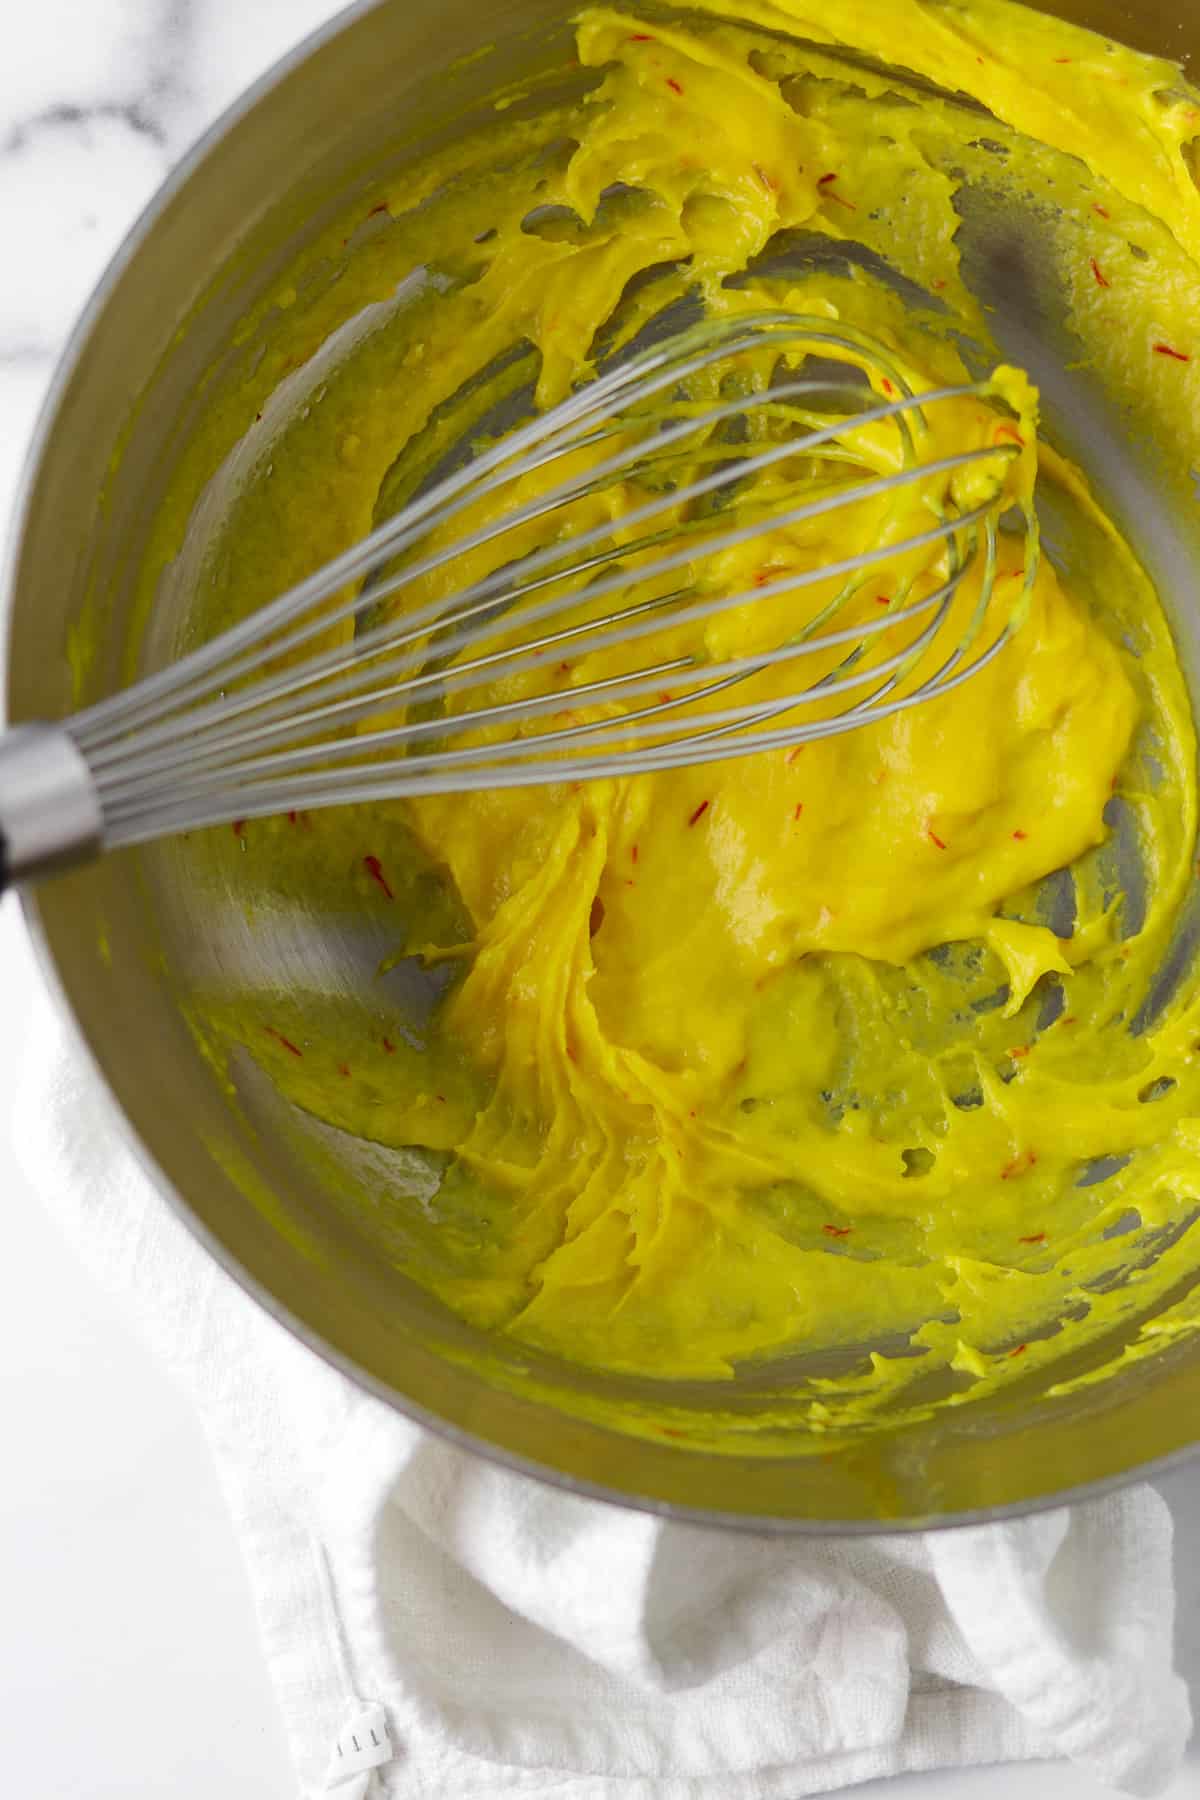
(50, 815)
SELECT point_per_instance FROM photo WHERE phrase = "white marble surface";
(129, 1664)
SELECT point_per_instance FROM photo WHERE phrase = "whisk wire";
(648, 374)
(352, 660)
(281, 724)
(100, 726)
(272, 716)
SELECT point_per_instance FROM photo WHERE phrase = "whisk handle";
(50, 814)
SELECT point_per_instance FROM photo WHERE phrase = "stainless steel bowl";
(322, 127)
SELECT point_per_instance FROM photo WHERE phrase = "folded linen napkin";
(436, 1626)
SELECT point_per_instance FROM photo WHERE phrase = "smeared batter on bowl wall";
(855, 1049)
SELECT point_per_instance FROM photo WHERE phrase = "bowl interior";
(290, 1205)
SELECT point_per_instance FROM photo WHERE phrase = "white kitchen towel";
(438, 1627)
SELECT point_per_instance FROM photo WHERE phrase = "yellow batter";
(803, 1052)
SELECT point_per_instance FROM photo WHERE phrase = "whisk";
(338, 691)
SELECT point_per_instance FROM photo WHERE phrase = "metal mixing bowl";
(352, 105)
